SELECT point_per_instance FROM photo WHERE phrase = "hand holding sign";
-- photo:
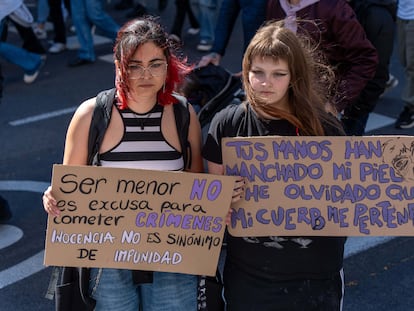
(137, 219)
(326, 186)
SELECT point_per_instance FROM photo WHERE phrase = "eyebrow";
(151, 61)
(265, 69)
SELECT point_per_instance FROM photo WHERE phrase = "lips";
(266, 93)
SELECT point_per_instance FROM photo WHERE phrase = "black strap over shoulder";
(102, 115)
(100, 121)
(182, 120)
(72, 291)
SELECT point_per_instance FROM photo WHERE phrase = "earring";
(163, 87)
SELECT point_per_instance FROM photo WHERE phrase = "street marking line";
(355, 245)
(43, 116)
(22, 270)
(9, 235)
(33, 264)
(24, 185)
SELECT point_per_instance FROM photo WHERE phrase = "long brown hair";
(310, 78)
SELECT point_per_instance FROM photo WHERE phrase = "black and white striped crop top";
(143, 146)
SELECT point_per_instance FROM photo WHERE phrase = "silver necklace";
(141, 119)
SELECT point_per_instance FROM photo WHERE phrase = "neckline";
(142, 118)
(154, 108)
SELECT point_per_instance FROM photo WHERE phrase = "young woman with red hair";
(147, 72)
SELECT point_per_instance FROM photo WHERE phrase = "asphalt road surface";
(33, 121)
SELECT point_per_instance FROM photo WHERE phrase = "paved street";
(33, 121)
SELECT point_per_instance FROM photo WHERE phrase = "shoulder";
(182, 99)
(232, 111)
(182, 104)
(182, 109)
(85, 109)
(82, 117)
(229, 118)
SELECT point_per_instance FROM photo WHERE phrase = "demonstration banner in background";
(137, 219)
(322, 186)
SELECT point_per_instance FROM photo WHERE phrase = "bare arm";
(76, 144)
(76, 148)
(214, 168)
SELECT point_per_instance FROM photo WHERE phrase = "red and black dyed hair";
(130, 37)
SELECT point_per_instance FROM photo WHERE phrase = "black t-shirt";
(275, 257)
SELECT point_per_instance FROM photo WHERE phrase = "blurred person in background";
(5, 213)
(85, 14)
(253, 13)
(28, 61)
(334, 28)
(377, 17)
(182, 10)
(405, 33)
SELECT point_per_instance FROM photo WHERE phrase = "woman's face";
(147, 70)
(270, 80)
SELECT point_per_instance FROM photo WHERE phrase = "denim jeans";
(252, 17)
(86, 13)
(207, 16)
(42, 11)
(30, 62)
(113, 289)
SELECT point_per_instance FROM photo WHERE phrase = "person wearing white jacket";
(8, 6)
(29, 62)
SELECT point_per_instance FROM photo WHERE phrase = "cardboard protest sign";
(137, 219)
(323, 186)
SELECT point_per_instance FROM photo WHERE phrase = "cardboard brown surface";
(323, 186)
(137, 219)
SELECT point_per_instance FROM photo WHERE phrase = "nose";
(266, 80)
(146, 74)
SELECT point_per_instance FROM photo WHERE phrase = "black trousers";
(245, 292)
(56, 15)
(183, 8)
(30, 42)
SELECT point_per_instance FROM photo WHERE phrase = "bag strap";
(182, 120)
(54, 279)
(102, 115)
(100, 121)
(84, 276)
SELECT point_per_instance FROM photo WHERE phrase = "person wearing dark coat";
(341, 38)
